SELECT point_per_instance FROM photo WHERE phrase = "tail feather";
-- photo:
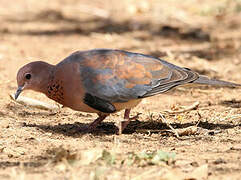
(205, 80)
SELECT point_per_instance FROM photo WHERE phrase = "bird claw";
(92, 126)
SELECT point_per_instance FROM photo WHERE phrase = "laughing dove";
(105, 81)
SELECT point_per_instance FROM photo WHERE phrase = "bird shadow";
(109, 128)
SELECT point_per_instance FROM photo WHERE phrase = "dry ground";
(202, 35)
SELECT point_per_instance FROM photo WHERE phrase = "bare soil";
(202, 35)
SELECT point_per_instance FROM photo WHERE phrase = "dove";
(105, 81)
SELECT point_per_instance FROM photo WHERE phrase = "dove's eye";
(28, 76)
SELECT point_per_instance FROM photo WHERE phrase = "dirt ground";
(202, 35)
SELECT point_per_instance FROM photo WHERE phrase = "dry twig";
(188, 108)
(34, 103)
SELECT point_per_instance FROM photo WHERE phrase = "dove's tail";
(205, 80)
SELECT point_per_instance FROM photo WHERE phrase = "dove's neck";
(46, 79)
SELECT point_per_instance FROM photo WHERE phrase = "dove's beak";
(19, 90)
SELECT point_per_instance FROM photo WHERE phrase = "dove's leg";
(92, 126)
(127, 119)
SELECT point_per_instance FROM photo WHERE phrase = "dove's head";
(33, 76)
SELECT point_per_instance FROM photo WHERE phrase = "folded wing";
(120, 76)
